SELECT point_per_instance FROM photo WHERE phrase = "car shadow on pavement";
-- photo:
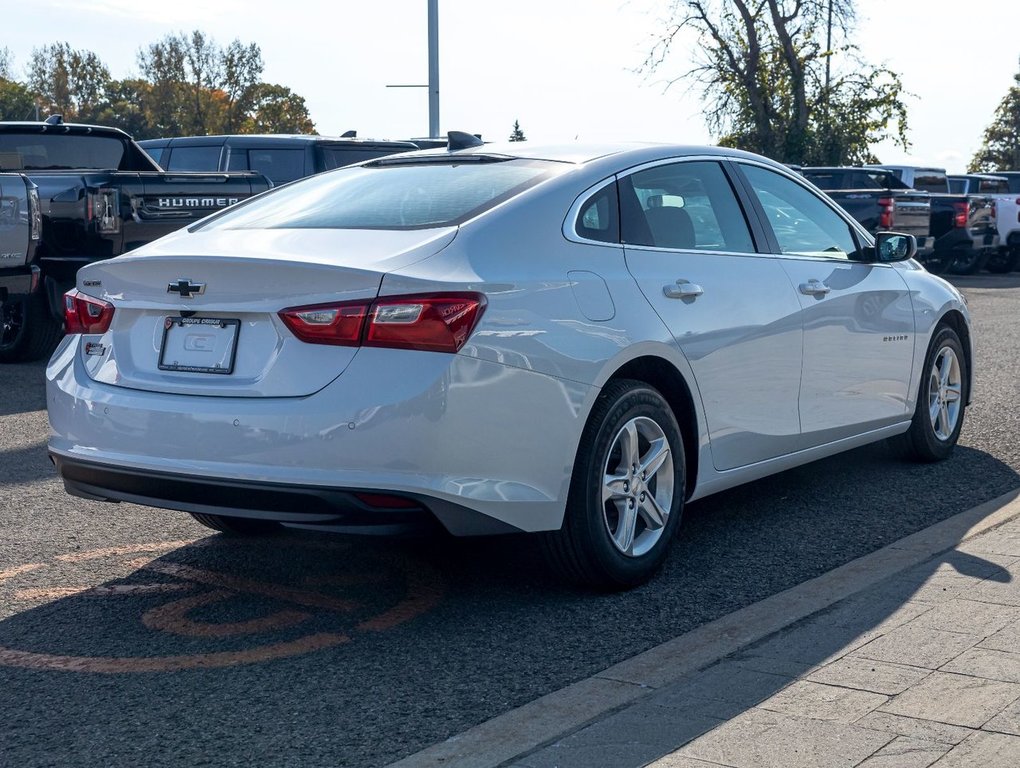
(25, 464)
(304, 649)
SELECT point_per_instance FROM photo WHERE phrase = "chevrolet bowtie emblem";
(186, 288)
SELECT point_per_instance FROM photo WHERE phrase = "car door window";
(194, 159)
(686, 206)
(280, 165)
(803, 223)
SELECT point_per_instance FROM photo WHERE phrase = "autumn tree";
(277, 109)
(241, 70)
(67, 81)
(765, 70)
(517, 134)
(1000, 150)
(16, 101)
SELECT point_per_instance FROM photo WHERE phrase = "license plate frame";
(224, 366)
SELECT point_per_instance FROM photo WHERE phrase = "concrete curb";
(561, 712)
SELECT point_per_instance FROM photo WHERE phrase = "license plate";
(199, 345)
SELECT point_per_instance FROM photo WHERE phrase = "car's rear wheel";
(241, 526)
(626, 493)
(27, 329)
(941, 401)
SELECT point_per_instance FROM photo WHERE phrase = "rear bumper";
(482, 446)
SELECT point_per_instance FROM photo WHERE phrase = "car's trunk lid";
(222, 335)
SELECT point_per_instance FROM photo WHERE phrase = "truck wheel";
(939, 262)
(626, 494)
(27, 329)
(1003, 261)
(968, 262)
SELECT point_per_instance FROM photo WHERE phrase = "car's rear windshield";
(56, 152)
(415, 195)
(930, 181)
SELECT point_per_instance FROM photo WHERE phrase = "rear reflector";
(85, 314)
(430, 322)
(385, 501)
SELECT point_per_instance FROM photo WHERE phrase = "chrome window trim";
(574, 214)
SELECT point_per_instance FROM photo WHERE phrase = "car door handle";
(683, 289)
(814, 288)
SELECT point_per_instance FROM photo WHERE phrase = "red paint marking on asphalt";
(17, 570)
(55, 593)
(111, 665)
(95, 554)
(172, 617)
(241, 584)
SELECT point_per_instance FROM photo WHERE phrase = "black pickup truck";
(963, 226)
(879, 201)
(100, 195)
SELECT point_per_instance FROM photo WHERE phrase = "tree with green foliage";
(67, 81)
(277, 109)
(765, 69)
(1000, 150)
(517, 134)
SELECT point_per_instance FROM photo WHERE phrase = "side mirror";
(894, 246)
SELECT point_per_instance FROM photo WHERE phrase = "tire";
(944, 380)
(968, 262)
(939, 262)
(238, 526)
(618, 526)
(1002, 262)
(28, 331)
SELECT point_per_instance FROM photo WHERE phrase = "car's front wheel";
(239, 526)
(626, 494)
(941, 401)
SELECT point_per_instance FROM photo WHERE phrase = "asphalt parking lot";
(129, 636)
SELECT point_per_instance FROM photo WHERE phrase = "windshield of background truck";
(46, 152)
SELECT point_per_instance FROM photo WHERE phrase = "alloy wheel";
(637, 486)
(945, 393)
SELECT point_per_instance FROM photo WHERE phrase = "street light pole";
(434, 68)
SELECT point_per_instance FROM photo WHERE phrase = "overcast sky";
(565, 69)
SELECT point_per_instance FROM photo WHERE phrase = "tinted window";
(237, 160)
(411, 196)
(993, 186)
(337, 157)
(280, 165)
(958, 186)
(37, 152)
(156, 153)
(1014, 183)
(194, 159)
(599, 218)
(688, 206)
(825, 180)
(802, 222)
(926, 181)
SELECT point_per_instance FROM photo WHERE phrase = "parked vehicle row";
(961, 234)
(1004, 189)
(567, 341)
(99, 195)
(281, 158)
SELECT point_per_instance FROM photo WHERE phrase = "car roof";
(272, 139)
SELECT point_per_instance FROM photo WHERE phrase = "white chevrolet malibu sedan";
(571, 341)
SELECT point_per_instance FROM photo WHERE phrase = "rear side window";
(337, 157)
(958, 186)
(279, 165)
(599, 218)
(993, 187)
(156, 153)
(686, 206)
(830, 182)
(194, 159)
(405, 196)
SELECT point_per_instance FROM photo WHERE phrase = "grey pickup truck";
(99, 195)
(879, 201)
(20, 231)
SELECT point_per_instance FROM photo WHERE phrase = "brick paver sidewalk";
(921, 670)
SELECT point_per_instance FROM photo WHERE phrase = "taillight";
(34, 214)
(439, 323)
(961, 214)
(337, 324)
(85, 314)
(431, 322)
(886, 207)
